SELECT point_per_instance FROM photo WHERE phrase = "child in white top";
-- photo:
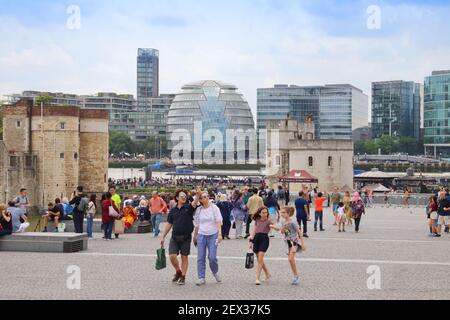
(341, 217)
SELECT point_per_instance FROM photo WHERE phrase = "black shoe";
(305, 235)
(246, 236)
(181, 281)
(322, 230)
(315, 230)
(45, 230)
(437, 235)
(228, 238)
(177, 277)
(117, 236)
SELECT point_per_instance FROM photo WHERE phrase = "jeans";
(303, 220)
(318, 216)
(108, 228)
(5, 232)
(226, 225)
(78, 219)
(203, 243)
(239, 226)
(357, 222)
(156, 221)
(89, 225)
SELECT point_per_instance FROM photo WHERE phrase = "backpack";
(83, 205)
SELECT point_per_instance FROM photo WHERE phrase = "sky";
(249, 43)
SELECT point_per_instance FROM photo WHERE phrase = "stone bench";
(138, 227)
(44, 242)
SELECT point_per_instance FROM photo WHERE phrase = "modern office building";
(210, 107)
(151, 121)
(437, 114)
(337, 110)
(120, 106)
(58, 98)
(396, 107)
(147, 76)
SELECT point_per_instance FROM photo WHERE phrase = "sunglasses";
(182, 196)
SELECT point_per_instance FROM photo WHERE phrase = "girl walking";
(273, 207)
(433, 214)
(260, 241)
(293, 240)
(341, 218)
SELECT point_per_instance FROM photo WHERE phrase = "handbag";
(119, 227)
(112, 212)
(250, 260)
(160, 259)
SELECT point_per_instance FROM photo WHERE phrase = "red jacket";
(105, 210)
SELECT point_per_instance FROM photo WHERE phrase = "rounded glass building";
(207, 105)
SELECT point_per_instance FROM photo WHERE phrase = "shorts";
(341, 218)
(434, 215)
(444, 220)
(261, 242)
(180, 245)
(335, 208)
(292, 244)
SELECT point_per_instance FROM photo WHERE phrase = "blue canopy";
(357, 172)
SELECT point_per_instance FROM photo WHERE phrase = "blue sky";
(253, 43)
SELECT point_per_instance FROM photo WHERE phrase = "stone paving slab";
(335, 265)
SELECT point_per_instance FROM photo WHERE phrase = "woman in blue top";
(238, 212)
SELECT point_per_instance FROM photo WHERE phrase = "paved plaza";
(335, 266)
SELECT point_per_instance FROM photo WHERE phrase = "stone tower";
(94, 150)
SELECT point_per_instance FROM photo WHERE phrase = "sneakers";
(437, 235)
(247, 236)
(257, 282)
(305, 235)
(322, 230)
(218, 278)
(296, 281)
(201, 282)
(177, 277)
(181, 281)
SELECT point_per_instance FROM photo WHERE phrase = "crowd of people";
(206, 218)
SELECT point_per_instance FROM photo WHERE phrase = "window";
(28, 161)
(278, 160)
(14, 161)
(310, 161)
(18, 124)
(330, 161)
(63, 125)
(75, 156)
(61, 155)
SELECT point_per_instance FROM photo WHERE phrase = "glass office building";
(150, 121)
(396, 107)
(120, 107)
(147, 75)
(437, 114)
(337, 110)
(211, 105)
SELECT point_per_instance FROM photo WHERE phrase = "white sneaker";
(201, 282)
(218, 278)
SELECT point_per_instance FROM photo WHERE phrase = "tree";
(120, 142)
(388, 144)
(44, 98)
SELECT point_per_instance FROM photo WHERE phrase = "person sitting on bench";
(55, 213)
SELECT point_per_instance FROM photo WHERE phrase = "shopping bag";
(61, 227)
(119, 227)
(250, 260)
(112, 212)
(160, 258)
